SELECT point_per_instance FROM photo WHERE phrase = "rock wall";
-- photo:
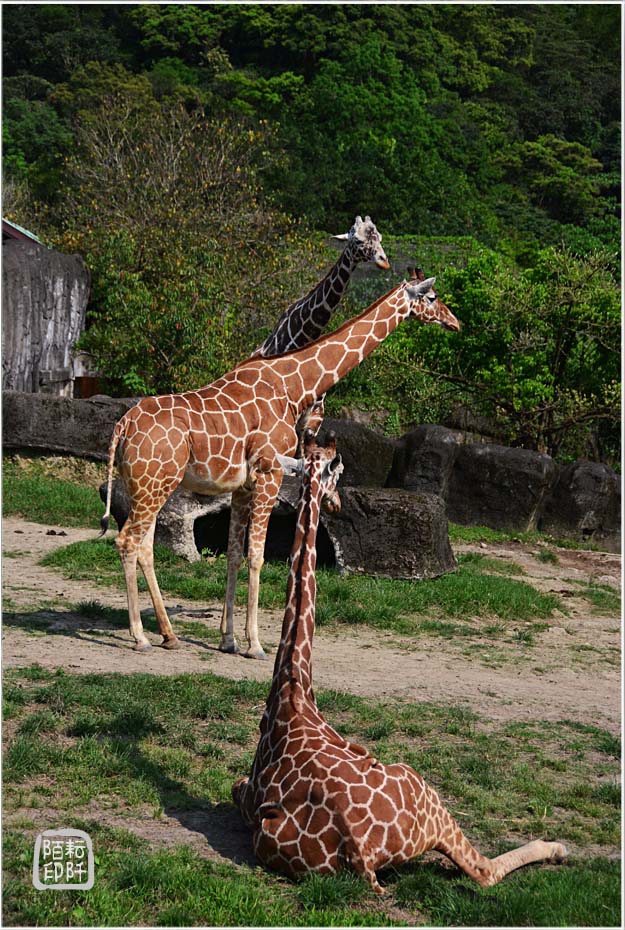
(61, 424)
(479, 483)
(484, 484)
(43, 313)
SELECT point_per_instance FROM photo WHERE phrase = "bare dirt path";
(571, 671)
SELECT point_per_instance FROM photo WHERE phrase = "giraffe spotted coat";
(316, 801)
(226, 437)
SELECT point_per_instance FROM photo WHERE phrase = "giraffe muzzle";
(452, 324)
(331, 503)
(382, 263)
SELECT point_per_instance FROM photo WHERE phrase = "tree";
(187, 257)
(539, 351)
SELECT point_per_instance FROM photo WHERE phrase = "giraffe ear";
(291, 466)
(337, 462)
(341, 236)
(334, 467)
(420, 289)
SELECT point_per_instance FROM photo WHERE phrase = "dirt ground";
(571, 670)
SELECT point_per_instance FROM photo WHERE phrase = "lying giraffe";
(305, 320)
(227, 437)
(317, 802)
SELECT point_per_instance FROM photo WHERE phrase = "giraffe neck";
(293, 665)
(304, 321)
(321, 365)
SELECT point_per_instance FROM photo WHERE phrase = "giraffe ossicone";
(227, 437)
(317, 802)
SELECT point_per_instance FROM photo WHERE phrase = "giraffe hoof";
(142, 647)
(260, 654)
(171, 643)
(232, 649)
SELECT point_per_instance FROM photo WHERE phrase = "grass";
(106, 752)
(570, 897)
(603, 597)
(477, 534)
(547, 556)
(457, 604)
(33, 491)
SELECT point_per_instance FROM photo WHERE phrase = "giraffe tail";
(117, 434)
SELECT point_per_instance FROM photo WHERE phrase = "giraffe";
(317, 802)
(226, 437)
(304, 321)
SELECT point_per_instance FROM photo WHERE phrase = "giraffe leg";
(128, 542)
(145, 556)
(148, 492)
(265, 493)
(454, 844)
(239, 516)
(362, 866)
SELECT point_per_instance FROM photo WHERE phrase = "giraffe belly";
(215, 478)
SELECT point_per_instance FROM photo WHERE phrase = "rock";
(424, 458)
(61, 424)
(391, 533)
(585, 503)
(499, 487)
(367, 455)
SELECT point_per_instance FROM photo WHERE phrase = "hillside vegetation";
(198, 156)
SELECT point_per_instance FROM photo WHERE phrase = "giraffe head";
(324, 462)
(365, 242)
(319, 464)
(425, 304)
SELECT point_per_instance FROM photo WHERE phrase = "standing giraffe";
(315, 801)
(304, 321)
(226, 437)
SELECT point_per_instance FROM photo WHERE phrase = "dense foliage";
(175, 145)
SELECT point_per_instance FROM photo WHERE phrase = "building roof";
(13, 231)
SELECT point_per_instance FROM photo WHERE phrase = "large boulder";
(367, 455)
(499, 487)
(46, 422)
(424, 458)
(585, 504)
(391, 533)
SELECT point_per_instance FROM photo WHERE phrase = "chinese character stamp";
(63, 860)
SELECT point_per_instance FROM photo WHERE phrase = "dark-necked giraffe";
(306, 319)
(317, 802)
(227, 437)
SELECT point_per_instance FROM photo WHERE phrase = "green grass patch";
(578, 895)
(45, 499)
(456, 604)
(477, 534)
(548, 556)
(485, 563)
(603, 597)
(82, 745)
